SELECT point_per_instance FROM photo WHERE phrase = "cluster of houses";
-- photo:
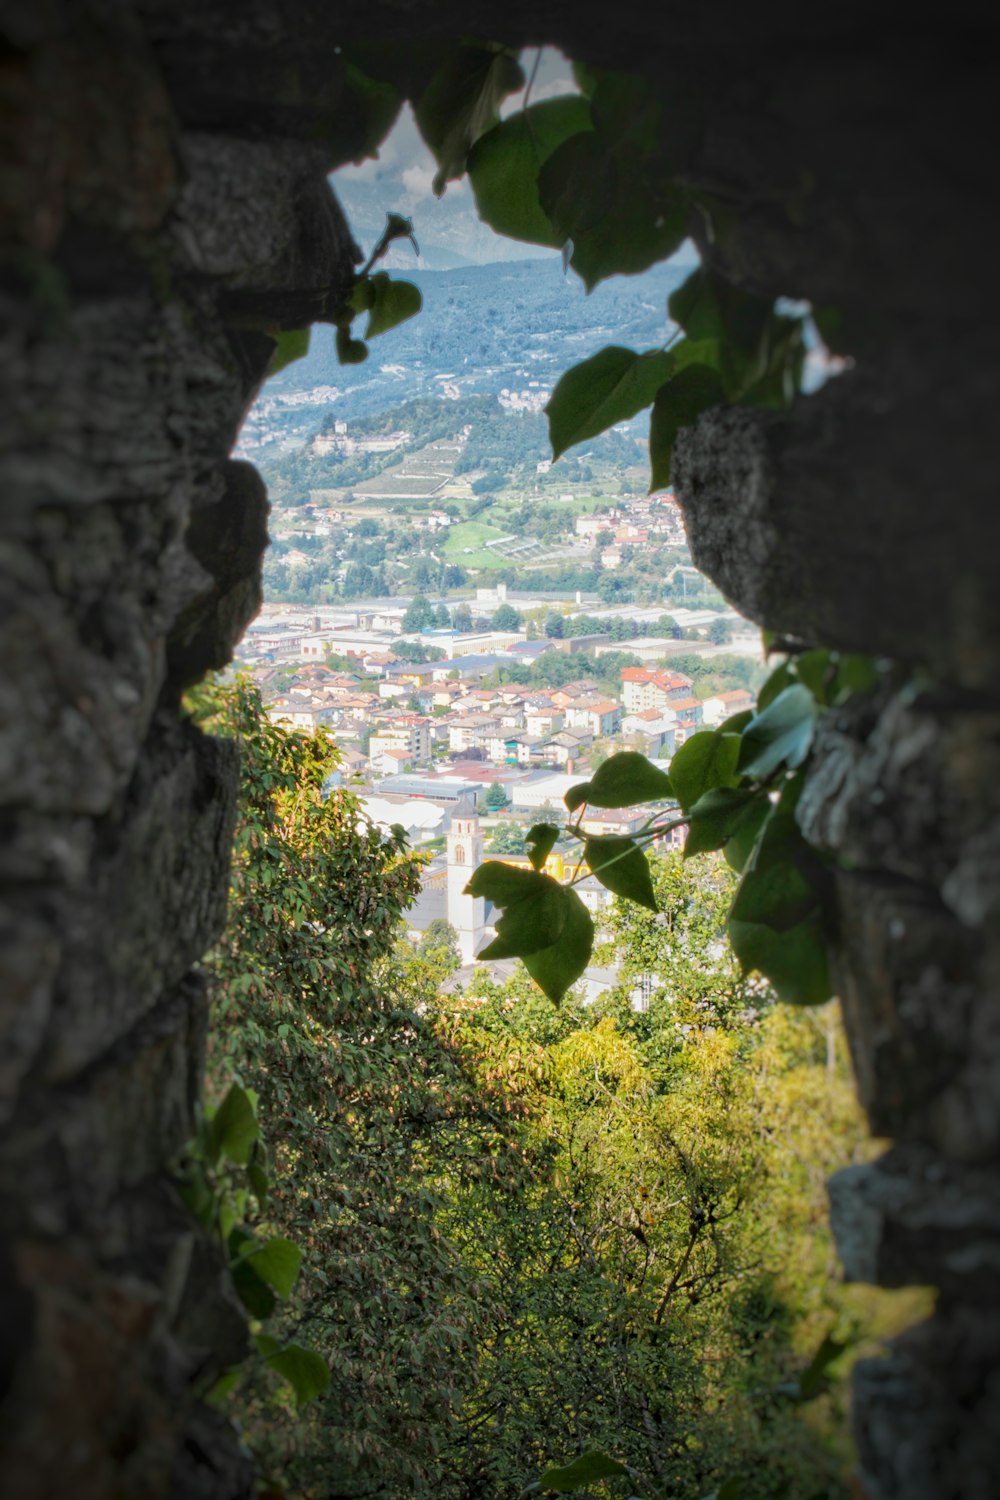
(646, 518)
(427, 721)
(442, 748)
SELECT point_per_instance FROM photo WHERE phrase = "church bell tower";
(467, 914)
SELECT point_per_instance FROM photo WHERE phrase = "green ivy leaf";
(623, 780)
(816, 670)
(719, 814)
(586, 1469)
(290, 345)
(732, 1489)
(461, 101)
(257, 1172)
(777, 923)
(620, 214)
(707, 759)
(305, 1371)
(557, 968)
(780, 678)
(233, 1128)
(350, 351)
(736, 723)
(781, 359)
(608, 388)
(678, 403)
(224, 1386)
(621, 866)
(585, 77)
(530, 924)
(781, 734)
(540, 841)
(505, 162)
(276, 1261)
(814, 1377)
(794, 961)
(252, 1290)
(504, 884)
(855, 674)
(708, 307)
(743, 840)
(366, 112)
(390, 303)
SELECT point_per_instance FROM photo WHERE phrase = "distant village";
(462, 760)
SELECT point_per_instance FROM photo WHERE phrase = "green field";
(470, 534)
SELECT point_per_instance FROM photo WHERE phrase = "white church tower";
(467, 914)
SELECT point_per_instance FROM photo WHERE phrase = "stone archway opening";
(168, 193)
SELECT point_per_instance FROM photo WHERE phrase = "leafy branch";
(735, 789)
(219, 1174)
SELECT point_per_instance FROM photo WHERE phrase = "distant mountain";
(518, 324)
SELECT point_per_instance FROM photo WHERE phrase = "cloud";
(418, 181)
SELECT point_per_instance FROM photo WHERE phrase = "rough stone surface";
(164, 205)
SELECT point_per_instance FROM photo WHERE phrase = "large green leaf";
(608, 388)
(708, 307)
(365, 114)
(505, 884)
(623, 780)
(233, 1128)
(277, 1262)
(557, 968)
(779, 679)
(257, 1172)
(742, 841)
(540, 841)
(618, 215)
(305, 1371)
(722, 813)
(586, 1469)
(290, 345)
(781, 734)
(252, 1290)
(461, 101)
(760, 352)
(814, 1378)
(350, 351)
(505, 162)
(781, 357)
(705, 760)
(530, 924)
(622, 867)
(694, 389)
(795, 960)
(777, 923)
(391, 303)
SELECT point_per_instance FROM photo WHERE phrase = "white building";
(467, 914)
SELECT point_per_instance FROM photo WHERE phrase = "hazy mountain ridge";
(518, 324)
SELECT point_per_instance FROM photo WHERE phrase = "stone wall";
(165, 205)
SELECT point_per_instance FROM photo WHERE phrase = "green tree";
(461, 618)
(361, 1098)
(508, 838)
(439, 947)
(554, 627)
(419, 614)
(495, 797)
(506, 617)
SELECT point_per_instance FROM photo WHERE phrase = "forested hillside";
(496, 1233)
(488, 326)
